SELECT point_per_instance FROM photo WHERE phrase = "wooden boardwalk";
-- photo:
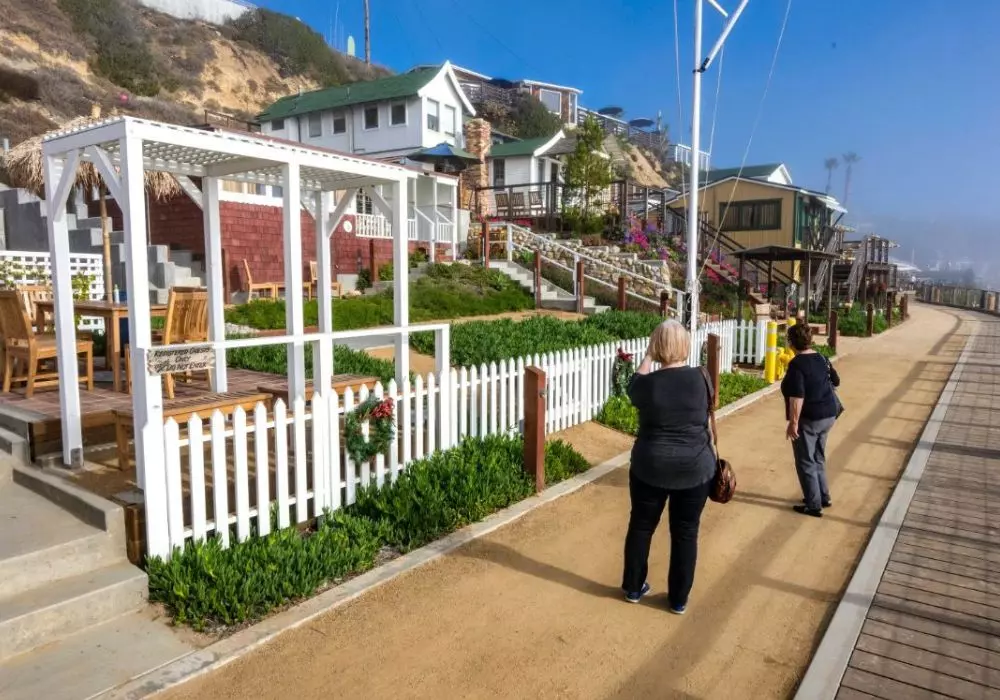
(924, 621)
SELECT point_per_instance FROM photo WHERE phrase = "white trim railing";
(377, 226)
(277, 460)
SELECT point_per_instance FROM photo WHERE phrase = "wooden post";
(664, 303)
(486, 243)
(870, 327)
(904, 306)
(580, 286)
(621, 293)
(888, 309)
(538, 281)
(832, 329)
(227, 293)
(714, 364)
(371, 261)
(534, 425)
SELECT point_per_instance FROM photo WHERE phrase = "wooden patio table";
(112, 313)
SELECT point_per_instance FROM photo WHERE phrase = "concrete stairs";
(63, 568)
(553, 297)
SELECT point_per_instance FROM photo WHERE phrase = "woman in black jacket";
(811, 408)
(672, 460)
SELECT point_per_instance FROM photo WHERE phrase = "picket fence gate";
(226, 477)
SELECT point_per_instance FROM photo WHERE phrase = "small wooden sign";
(175, 360)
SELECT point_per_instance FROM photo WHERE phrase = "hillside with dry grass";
(58, 58)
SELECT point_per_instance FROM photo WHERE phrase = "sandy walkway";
(534, 610)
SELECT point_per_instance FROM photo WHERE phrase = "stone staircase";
(553, 297)
(74, 620)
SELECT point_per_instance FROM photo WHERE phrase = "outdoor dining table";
(112, 313)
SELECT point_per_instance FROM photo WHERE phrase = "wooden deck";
(931, 626)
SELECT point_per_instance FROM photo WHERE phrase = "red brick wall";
(255, 233)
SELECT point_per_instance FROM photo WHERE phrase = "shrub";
(480, 342)
(824, 350)
(385, 273)
(273, 359)
(625, 325)
(204, 584)
(364, 279)
(619, 413)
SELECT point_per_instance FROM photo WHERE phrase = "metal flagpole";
(701, 65)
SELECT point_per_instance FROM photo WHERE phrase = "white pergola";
(122, 149)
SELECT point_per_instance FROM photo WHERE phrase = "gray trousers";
(810, 460)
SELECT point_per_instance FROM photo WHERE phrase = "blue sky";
(907, 84)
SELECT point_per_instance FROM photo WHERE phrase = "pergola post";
(808, 284)
(147, 389)
(323, 366)
(454, 221)
(400, 285)
(434, 221)
(210, 189)
(60, 173)
(294, 311)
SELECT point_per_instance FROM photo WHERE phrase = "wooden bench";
(339, 383)
(181, 410)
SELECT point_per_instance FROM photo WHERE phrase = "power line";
(753, 131)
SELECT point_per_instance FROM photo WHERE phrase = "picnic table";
(112, 313)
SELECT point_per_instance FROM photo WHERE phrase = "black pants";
(684, 517)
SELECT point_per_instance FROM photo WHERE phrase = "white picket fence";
(292, 461)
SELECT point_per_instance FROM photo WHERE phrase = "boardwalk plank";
(851, 694)
(942, 561)
(932, 661)
(909, 674)
(907, 604)
(887, 688)
(929, 540)
(899, 630)
(990, 591)
(944, 599)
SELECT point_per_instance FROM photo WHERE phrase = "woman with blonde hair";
(672, 463)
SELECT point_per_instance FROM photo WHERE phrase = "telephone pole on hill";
(700, 66)
(368, 35)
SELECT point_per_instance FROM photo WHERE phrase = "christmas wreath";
(621, 373)
(381, 429)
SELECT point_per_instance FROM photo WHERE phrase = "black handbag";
(836, 396)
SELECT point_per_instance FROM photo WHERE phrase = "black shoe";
(808, 511)
(826, 504)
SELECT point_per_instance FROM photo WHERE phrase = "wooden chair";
(251, 286)
(535, 200)
(313, 284)
(23, 346)
(186, 322)
(502, 200)
(31, 294)
(517, 202)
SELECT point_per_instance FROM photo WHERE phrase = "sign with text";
(175, 360)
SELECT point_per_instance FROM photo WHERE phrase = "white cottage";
(385, 118)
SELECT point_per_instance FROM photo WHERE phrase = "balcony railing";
(377, 226)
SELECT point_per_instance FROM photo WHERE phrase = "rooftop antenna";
(701, 65)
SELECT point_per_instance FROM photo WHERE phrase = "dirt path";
(534, 609)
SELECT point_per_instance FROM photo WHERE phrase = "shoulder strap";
(711, 406)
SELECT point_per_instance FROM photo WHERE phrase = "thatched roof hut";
(23, 167)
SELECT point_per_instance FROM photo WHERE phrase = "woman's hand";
(792, 431)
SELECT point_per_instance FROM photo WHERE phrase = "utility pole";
(700, 66)
(368, 35)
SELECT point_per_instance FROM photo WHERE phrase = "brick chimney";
(477, 142)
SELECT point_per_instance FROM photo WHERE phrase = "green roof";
(390, 88)
(749, 171)
(526, 147)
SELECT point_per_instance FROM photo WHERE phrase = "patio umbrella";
(23, 167)
(445, 155)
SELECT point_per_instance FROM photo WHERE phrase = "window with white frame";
(339, 123)
(551, 99)
(450, 120)
(315, 125)
(371, 117)
(499, 172)
(397, 114)
(363, 204)
(433, 115)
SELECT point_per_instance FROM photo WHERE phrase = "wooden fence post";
(534, 425)
(714, 364)
(538, 281)
(580, 286)
(621, 293)
(486, 244)
(888, 309)
(870, 326)
(832, 330)
(227, 295)
(371, 261)
(904, 306)
(664, 303)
